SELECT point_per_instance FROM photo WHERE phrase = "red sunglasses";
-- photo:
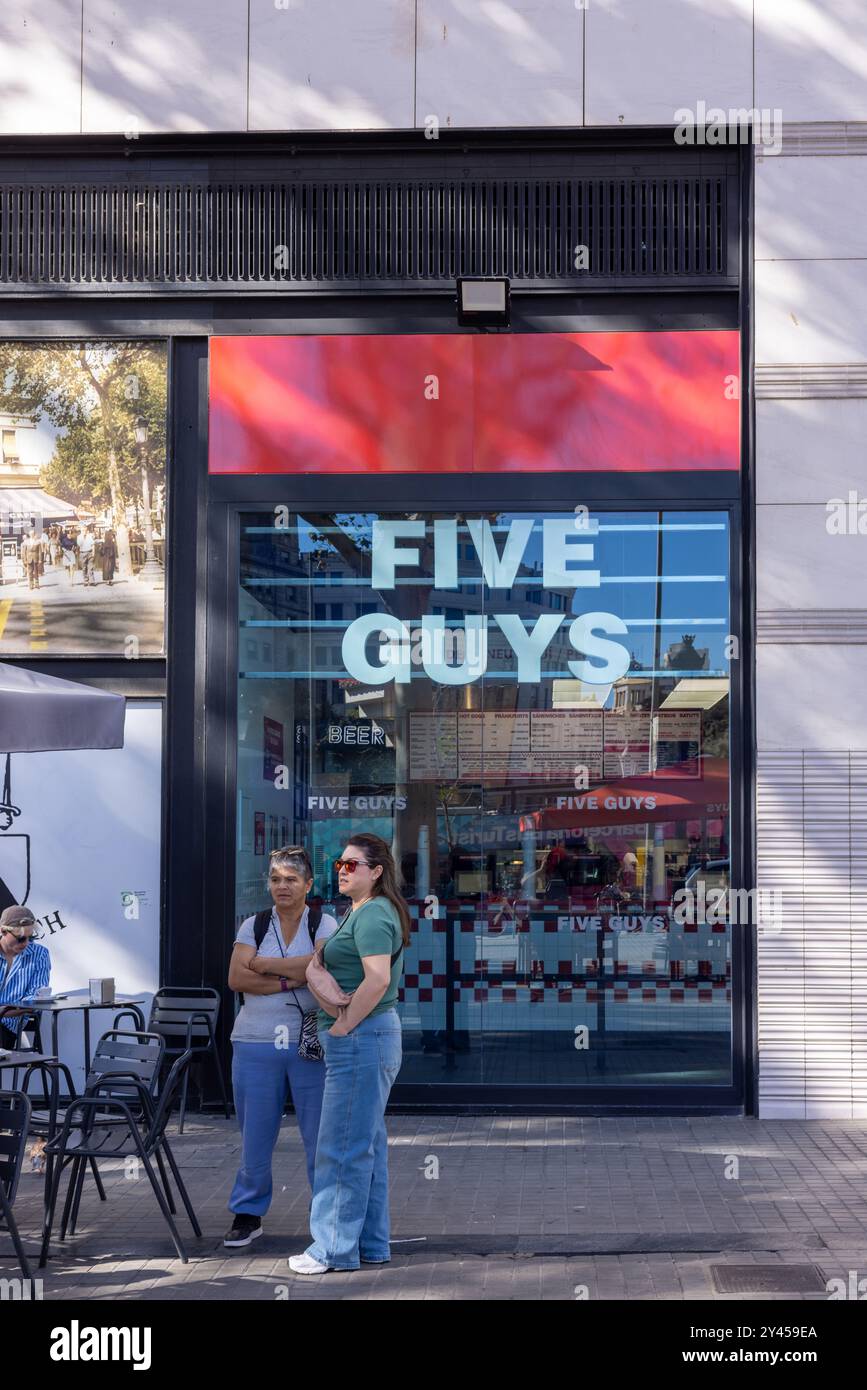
(350, 865)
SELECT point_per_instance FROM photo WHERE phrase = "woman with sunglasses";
(349, 1221)
(267, 967)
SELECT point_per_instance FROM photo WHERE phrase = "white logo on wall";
(72, 805)
(15, 875)
(14, 848)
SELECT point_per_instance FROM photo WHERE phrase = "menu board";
(677, 743)
(679, 724)
(565, 739)
(550, 745)
(505, 745)
(627, 743)
(433, 747)
(493, 744)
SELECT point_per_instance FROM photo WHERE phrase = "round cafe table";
(22, 1061)
(78, 1000)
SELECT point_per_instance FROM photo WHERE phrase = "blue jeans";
(261, 1075)
(349, 1216)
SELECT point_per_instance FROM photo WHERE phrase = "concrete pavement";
(65, 618)
(503, 1208)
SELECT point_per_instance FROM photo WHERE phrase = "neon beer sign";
(567, 562)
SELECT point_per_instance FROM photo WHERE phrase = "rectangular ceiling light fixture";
(483, 303)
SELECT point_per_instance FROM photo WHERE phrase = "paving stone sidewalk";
(497, 1208)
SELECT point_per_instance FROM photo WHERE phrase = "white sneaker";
(305, 1264)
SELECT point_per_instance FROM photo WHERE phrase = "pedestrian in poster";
(274, 1034)
(86, 544)
(31, 557)
(54, 545)
(349, 1218)
(109, 556)
(67, 552)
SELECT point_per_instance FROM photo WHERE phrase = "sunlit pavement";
(496, 1208)
(79, 617)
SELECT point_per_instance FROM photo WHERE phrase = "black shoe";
(244, 1230)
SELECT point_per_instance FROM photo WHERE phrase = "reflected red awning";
(638, 800)
(445, 403)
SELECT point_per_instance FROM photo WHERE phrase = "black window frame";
(192, 683)
(232, 496)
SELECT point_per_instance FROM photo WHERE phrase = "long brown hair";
(378, 855)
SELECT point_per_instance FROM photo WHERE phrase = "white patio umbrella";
(43, 714)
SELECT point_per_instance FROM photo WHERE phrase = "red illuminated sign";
(463, 403)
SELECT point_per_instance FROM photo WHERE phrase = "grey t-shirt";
(261, 1014)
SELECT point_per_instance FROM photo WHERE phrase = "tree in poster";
(93, 393)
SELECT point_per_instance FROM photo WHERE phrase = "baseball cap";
(14, 918)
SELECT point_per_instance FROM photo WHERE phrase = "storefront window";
(532, 708)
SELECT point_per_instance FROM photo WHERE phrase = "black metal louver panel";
(160, 235)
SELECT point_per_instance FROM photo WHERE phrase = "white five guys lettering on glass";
(563, 554)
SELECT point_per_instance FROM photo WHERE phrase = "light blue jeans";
(261, 1076)
(349, 1216)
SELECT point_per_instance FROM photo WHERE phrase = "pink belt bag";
(323, 983)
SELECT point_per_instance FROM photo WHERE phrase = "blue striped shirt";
(28, 972)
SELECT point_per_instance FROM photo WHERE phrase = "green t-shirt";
(370, 930)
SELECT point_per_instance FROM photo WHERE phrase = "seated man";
(25, 967)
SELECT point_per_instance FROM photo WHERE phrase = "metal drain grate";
(767, 1279)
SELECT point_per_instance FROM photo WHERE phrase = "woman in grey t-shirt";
(265, 1060)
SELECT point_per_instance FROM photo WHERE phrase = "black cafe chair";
(28, 1038)
(102, 1125)
(121, 1065)
(134, 1012)
(28, 1035)
(14, 1126)
(186, 1018)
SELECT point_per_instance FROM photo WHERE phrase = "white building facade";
(154, 78)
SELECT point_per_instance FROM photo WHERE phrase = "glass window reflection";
(536, 716)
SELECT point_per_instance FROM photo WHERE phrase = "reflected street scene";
(82, 499)
(532, 708)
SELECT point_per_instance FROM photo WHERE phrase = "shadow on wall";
(811, 244)
(224, 65)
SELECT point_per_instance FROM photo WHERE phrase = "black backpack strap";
(260, 926)
(314, 917)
